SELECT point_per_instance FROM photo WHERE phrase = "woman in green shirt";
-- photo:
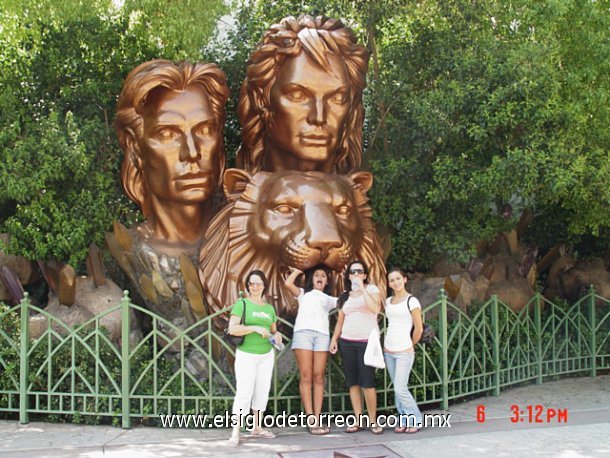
(254, 358)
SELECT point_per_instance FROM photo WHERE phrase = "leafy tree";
(181, 28)
(492, 108)
(62, 65)
(476, 111)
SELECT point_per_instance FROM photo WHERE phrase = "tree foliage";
(476, 111)
(493, 108)
(62, 65)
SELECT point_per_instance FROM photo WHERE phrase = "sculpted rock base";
(26, 271)
(90, 301)
(169, 286)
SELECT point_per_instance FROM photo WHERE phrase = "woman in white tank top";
(404, 313)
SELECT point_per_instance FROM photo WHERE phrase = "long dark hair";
(347, 283)
(263, 277)
(401, 272)
(309, 279)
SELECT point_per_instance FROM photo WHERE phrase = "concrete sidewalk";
(586, 433)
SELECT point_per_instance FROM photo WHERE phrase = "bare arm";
(337, 332)
(276, 335)
(417, 324)
(237, 329)
(289, 282)
(373, 301)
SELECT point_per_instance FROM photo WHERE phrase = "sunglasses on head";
(356, 271)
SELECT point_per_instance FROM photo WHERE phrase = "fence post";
(24, 340)
(538, 324)
(444, 356)
(125, 383)
(496, 343)
(593, 325)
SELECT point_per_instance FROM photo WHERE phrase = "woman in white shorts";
(311, 338)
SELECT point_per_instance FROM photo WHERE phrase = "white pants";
(253, 380)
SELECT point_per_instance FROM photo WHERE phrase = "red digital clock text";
(538, 414)
(530, 414)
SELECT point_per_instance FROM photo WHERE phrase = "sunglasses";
(356, 271)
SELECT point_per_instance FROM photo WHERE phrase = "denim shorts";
(308, 339)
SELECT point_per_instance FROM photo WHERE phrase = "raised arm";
(289, 282)
(372, 300)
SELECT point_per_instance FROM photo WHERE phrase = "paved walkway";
(586, 433)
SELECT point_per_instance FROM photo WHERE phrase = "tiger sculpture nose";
(323, 231)
(325, 245)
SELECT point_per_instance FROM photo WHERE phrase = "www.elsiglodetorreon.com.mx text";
(284, 420)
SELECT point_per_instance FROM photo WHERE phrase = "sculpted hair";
(317, 37)
(139, 84)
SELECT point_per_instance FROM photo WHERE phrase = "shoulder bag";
(232, 340)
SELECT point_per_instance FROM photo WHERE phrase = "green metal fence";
(81, 372)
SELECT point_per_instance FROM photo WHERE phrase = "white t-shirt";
(313, 311)
(400, 322)
(359, 320)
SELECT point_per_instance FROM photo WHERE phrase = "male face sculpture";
(309, 108)
(179, 146)
(169, 121)
(301, 102)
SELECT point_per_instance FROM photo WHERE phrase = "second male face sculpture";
(301, 102)
(309, 107)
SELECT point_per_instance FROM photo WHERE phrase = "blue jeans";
(399, 367)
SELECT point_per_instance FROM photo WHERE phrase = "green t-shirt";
(256, 315)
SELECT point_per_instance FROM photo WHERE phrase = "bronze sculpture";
(286, 218)
(170, 120)
(301, 102)
(294, 204)
(301, 111)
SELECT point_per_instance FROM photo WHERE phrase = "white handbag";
(373, 355)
